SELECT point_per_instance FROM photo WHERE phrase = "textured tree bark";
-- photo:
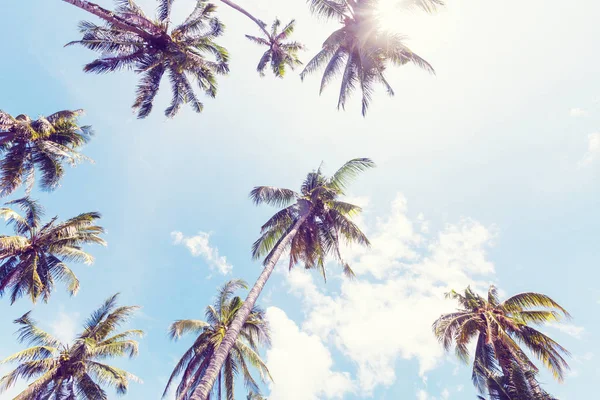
(216, 362)
(108, 16)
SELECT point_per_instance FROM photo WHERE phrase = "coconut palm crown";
(76, 370)
(36, 255)
(327, 220)
(187, 52)
(360, 50)
(192, 365)
(44, 144)
(500, 329)
(279, 54)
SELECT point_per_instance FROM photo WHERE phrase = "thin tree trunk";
(220, 383)
(108, 16)
(218, 358)
(258, 22)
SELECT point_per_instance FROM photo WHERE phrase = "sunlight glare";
(391, 13)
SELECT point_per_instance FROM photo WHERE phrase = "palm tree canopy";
(74, 371)
(360, 50)
(44, 144)
(186, 52)
(210, 333)
(279, 54)
(34, 257)
(328, 220)
(501, 328)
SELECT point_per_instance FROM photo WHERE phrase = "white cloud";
(65, 327)
(300, 363)
(422, 395)
(445, 394)
(412, 273)
(570, 329)
(593, 151)
(577, 112)
(199, 246)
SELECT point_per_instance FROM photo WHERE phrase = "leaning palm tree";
(43, 145)
(360, 50)
(74, 371)
(501, 328)
(32, 259)
(244, 352)
(279, 54)
(311, 226)
(130, 39)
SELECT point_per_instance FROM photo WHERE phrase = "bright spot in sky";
(390, 14)
(414, 24)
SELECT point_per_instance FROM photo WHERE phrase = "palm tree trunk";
(258, 22)
(218, 358)
(220, 384)
(502, 357)
(108, 16)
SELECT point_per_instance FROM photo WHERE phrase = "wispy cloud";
(593, 151)
(577, 112)
(569, 329)
(199, 246)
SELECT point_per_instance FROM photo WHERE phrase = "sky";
(488, 172)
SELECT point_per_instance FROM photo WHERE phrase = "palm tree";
(32, 259)
(129, 39)
(279, 54)
(501, 328)
(360, 50)
(44, 144)
(73, 371)
(309, 226)
(219, 317)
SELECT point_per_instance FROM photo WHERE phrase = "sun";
(390, 14)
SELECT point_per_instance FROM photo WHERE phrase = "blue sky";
(487, 172)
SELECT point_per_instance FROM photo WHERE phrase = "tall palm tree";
(244, 352)
(311, 226)
(74, 371)
(129, 39)
(360, 50)
(279, 54)
(44, 144)
(501, 328)
(32, 259)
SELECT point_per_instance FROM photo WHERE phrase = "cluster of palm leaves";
(279, 54)
(74, 370)
(44, 144)
(34, 257)
(501, 367)
(360, 50)
(130, 39)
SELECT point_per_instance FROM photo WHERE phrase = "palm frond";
(273, 196)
